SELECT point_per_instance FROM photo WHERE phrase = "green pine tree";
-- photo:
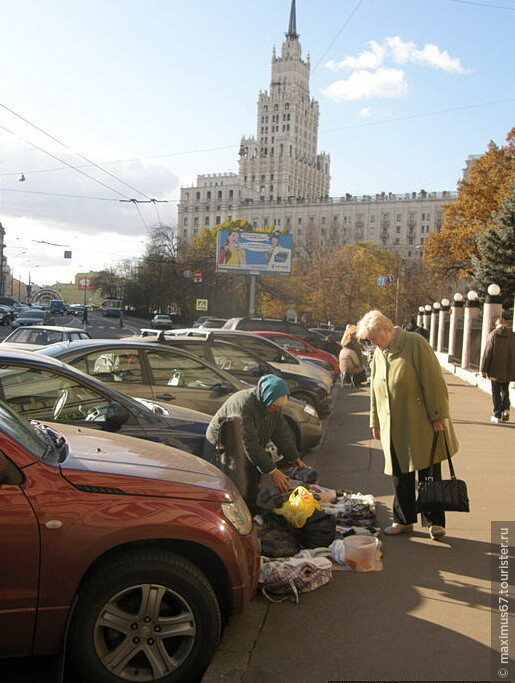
(496, 247)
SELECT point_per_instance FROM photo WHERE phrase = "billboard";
(268, 253)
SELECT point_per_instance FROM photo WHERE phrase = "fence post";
(443, 319)
(456, 318)
(471, 314)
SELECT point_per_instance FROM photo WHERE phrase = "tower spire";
(292, 27)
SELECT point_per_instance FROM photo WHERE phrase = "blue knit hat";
(271, 388)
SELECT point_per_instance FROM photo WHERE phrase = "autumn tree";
(451, 250)
(496, 247)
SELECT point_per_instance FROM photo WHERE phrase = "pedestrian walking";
(260, 411)
(498, 364)
(85, 320)
(409, 402)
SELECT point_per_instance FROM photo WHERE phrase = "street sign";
(85, 283)
(197, 273)
(201, 305)
(187, 273)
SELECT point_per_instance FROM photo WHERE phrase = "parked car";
(249, 324)
(249, 367)
(41, 388)
(302, 348)
(208, 321)
(172, 376)
(33, 316)
(32, 337)
(161, 322)
(127, 557)
(6, 315)
(265, 348)
(58, 306)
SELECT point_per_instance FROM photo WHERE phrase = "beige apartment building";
(283, 181)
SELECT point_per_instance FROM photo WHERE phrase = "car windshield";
(33, 436)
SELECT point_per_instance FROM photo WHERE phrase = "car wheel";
(144, 617)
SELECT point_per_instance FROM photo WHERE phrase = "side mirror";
(116, 415)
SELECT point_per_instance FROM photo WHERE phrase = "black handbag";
(446, 495)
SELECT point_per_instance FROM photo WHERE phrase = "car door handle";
(165, 397)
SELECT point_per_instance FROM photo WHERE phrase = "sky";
(104, 101)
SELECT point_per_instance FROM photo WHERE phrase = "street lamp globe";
(445, 302)
(428, 308)
(436, 305)
(472, 295)
(493, 289)
(420, 309)
(458, 296)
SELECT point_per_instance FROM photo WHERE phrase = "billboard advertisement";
(268, 253)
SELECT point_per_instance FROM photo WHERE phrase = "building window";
(197, 196)
(372, 218)
(195, 232)
(397, 229)
(299, 221)
(231, 193)
(217, 220)
(206, 221)
(195, 221)
(399, 217)
(219, 194)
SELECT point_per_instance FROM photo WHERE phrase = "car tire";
(112, 639)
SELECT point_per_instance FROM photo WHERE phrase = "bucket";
(360, 551)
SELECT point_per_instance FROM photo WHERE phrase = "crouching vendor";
(261, 421)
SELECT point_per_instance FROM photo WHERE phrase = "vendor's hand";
(483, 374)
(281, 481)
(437, 425)
(299, 463)
(376, 433)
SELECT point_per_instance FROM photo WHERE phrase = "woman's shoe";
(436, 532)
(397, 528)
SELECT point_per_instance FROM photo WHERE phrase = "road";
(98, 326)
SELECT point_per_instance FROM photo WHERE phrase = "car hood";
(137, 467)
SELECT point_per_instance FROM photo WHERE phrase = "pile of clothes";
(309, 531)
(329, 515)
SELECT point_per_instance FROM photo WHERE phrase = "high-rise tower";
(282, 162)
(283, 181)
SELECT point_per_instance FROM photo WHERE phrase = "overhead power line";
(89, 161)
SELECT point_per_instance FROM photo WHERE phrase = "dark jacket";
(498, 359)
(258, 428)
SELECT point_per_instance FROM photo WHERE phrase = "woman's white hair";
(371, 322)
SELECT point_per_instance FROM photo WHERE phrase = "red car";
(123, 554)
(301, 348)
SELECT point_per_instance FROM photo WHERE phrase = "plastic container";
(361, 551)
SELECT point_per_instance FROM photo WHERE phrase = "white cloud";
(366, 112)
(364, 84)
(430, 55)
(372, 77)
(371, 59)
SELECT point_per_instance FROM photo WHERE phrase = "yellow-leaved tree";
(449, 252)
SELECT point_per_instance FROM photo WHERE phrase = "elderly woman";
(408, 404)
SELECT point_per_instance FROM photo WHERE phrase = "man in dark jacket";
(498, 364)
(411, 326)
(261, 422)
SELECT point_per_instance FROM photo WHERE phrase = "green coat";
(407, 392)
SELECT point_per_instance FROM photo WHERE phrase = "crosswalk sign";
(201, 305)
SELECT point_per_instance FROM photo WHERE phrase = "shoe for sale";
(436, 532)
(397, 528)
(505, 415)
(495, 420)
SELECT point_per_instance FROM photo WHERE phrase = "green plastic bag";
(299, 507)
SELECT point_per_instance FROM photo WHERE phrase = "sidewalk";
(426, 616)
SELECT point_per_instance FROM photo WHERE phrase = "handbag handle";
(433, 451)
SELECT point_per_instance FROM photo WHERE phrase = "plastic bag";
(299, 507)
